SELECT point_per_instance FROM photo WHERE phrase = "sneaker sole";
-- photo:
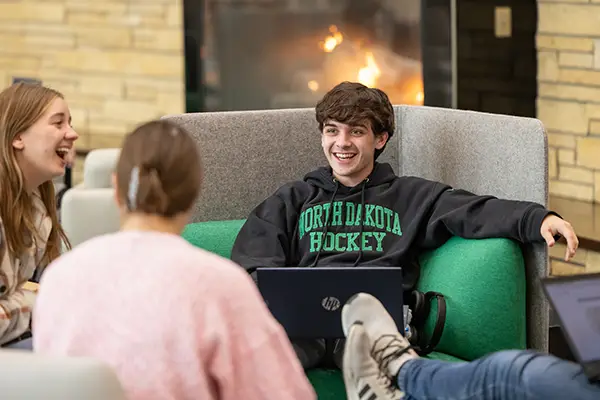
(346, 327)
(348, 378)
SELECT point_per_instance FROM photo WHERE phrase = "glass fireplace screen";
(265, 54)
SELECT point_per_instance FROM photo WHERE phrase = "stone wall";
(118, 62)
(568, 43)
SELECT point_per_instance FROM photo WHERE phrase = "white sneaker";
(362, 377)
(389, 348)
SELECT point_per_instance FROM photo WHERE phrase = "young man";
(358, 212)
(379, 364)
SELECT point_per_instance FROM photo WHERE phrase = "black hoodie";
(384, 221)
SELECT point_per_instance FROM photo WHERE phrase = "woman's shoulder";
(162, 256)
(207, 263)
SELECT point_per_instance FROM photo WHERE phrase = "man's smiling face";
(350, 150)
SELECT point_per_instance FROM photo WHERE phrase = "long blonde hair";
(21, 106)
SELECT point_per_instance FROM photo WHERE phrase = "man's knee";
(528, 367)
(507, 365)
(510, 357)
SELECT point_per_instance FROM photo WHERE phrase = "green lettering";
(368, 215)
(350, 213)
(301, 225)
(318, 212)
(338, 246)
(358, 219)
(326, 208)
(365, 241)
(329, 242)
(388, 219)
(379, 217)
(352, 245)
(337, 213)
(379, 237)
(315, 241)
(308, 220)
(396, 228)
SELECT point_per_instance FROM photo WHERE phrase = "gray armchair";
(248, 154)
(29, 376)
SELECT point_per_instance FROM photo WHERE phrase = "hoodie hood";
(322, 178)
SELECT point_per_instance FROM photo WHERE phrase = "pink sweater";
(175, 322)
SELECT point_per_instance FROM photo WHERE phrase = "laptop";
(308, 302)
(576, 301)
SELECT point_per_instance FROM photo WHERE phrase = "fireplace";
(266, 54)
(288, 53)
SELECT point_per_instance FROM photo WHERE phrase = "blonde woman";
(37, 145)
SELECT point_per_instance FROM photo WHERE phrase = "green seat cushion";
(483, 282)
(328, 383)
(484, 285)
(214, 236)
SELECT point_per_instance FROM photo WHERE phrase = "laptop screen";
(577, 303)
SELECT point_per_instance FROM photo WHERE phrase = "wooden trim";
(589, 244)
(584, 243)
(575, 211)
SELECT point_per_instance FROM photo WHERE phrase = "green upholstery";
(214, 236)
(483, 282)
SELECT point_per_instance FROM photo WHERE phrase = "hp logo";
(331, 303)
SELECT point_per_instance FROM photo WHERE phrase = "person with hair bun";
(37, 145)
(172, 320)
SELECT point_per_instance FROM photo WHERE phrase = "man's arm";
(264, 240)
(460, 213)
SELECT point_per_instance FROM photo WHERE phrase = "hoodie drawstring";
(362, 219)
(337, 186)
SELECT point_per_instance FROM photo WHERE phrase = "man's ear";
(381, 140)
(18, 143)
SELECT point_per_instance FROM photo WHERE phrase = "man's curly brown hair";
(353, 103)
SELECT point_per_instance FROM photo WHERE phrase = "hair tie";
(134, 183)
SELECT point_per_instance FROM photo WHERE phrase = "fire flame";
(332, 41)
(369, 73)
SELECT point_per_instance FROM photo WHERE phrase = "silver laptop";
(576, 301)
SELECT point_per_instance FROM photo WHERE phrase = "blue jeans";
(510, 375)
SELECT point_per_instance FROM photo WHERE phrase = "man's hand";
(552, 226)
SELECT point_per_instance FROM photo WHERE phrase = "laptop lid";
(308, 302)
(576, 301)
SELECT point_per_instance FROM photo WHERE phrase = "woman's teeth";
(62, 152)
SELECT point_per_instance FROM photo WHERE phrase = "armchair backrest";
(31, 376)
